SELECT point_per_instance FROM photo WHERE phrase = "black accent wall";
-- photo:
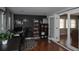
(29, 24)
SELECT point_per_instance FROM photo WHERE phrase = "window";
(66, 23)
(62, 22)
(73, 23)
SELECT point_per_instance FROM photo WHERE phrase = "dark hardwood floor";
(43, 45)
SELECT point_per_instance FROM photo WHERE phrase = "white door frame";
(56, 27)
(50, 38)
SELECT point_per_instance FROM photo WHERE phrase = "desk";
(12, 45)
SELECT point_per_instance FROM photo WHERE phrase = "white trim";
(62, 45)
(73, 48)
(65, 11)
(68, 41)
(69, 47)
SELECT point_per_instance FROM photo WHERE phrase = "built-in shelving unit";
(36, 28)
(40, 28)
(44, 31)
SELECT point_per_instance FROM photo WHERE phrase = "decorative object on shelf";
(44, 31)
(4, 37)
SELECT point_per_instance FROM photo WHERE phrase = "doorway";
(63, 29)
(74, 29)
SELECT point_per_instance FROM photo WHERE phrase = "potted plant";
(4, 37)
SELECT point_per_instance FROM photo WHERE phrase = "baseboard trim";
(61, 45)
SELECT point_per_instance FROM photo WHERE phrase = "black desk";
(12, 45)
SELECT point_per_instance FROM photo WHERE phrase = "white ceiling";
(36, 10)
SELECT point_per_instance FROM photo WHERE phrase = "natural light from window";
(73, 23)
(61, 23)
(64, 24)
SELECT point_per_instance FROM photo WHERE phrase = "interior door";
(51, 26)
(54, 27)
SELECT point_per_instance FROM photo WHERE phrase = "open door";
(51, 27)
